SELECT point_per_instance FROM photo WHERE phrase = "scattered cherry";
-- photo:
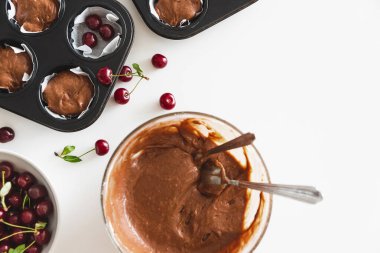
(6, 134)
(106, 31)
(104, 75)
(89, 39)
(25, 180)
(159, 61)
(18, 238)
(8, 168)
(167, 101)
(42, 236)
(27, 217)
(34, 249)
(101, 147)
(93, 22)
(126, 73)
(44, 208)
(37, 191)
(121, 96)
(14, 200)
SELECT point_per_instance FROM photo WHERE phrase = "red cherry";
(18, 238)
(104, 76)
(14, 199)
(101, 147)
(37, 191)
(2, 213)
(121, 96)
(4, 247)
(93, 22)
(14, 178)
(34, 249)
(25, 180)
(42, 237)
(44, 208)
(106, 31)
(167, 101)
(159, 61)
(12, 218)
(89, 39)
(27, 217)
(124, 71)
(6, 134)
(8, 170)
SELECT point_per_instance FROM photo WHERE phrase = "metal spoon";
(213, 180)
(241, 141)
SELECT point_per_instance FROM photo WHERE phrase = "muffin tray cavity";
(210, 13)
(53, 51)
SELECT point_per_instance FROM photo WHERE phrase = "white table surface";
(303, 75)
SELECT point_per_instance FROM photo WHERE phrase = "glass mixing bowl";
(258, 208)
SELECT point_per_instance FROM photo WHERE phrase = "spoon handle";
(302, 193)
(238, 142)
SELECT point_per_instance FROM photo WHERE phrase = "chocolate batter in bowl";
(150, 198)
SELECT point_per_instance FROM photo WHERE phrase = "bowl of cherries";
(28, 208)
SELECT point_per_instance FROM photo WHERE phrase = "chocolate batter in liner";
(16, 67)
(67, 94)
(176, 13)
(34, 16)
(154, 188)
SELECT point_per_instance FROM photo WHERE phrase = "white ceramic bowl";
(21, 164)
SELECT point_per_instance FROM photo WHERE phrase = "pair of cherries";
(94, 22)
(122, 96)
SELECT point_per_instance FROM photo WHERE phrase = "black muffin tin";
(213, 12)
(52, 52)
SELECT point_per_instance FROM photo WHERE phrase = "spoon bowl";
(213, 181)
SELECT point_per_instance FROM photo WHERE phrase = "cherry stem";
(17, 226)
(137, 84)
(131, 74)
(17, 233)
(26, 198)
(3, 197)
(86, 152)
(30, 245)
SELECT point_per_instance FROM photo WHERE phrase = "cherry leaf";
(137, 68)
(5, 189)
(18, 249)
(72, 159)
(40, 225)
(67, 150)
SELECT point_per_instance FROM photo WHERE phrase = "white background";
(303, 75)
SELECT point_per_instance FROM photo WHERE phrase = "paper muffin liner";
(44, 84)
(103, 47)
(12, 13)
(18, 50)
(183, 23)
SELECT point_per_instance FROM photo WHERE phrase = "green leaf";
(67, 150)
(18, 249)
(137, 68)
(40, 225)
(72, 159)
(5, 189)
